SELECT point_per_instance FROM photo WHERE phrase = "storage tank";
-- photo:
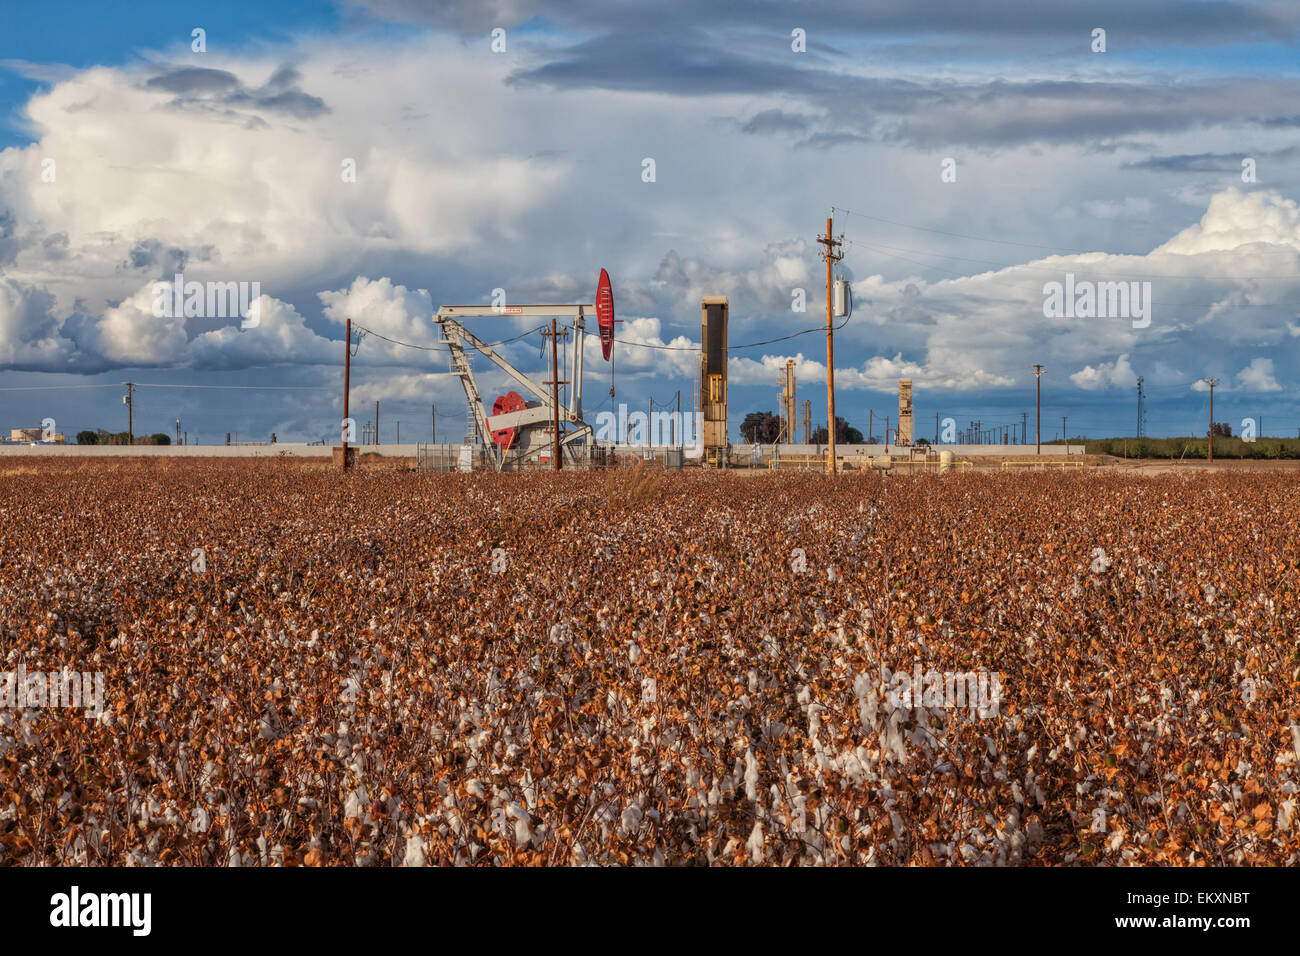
(945, 461)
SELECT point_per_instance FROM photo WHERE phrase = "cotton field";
(638, 668)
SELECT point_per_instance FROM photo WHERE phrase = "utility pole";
(1141, 432)
(936, 428)
(347, 380)
(831, 256)
(129, 401)
(376, 421)
(807, 421)
(399, 433)
(555, 384)
(678, 432)
(1024, 428)
(1038, 409)
(1212, 382)
(1063, 435)
(433, 423)
(871, 421)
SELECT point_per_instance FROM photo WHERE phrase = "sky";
(375, 159)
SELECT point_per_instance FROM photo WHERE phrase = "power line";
(1003, 242)
(881, 247)
(438, 348)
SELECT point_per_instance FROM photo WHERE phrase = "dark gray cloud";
(9, 243)
(160, 260)
(197, 88)
(194, 81)
(55, 246)
(775, 121)
(926, 112)
(1158, 22)
(1209, 162)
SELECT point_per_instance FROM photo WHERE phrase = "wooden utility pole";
(130, 420)
(347, 381)
(376, 421)
(555, 384)
(433, 422)
(807, 421)
(1038, 409)
(831, 256)
(1212, 382)
(1063, 435)
(871, 424)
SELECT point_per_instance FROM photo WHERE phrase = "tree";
(844, 435)
(87, 438)
(1221, 430)
(160, 438)
(760, 428)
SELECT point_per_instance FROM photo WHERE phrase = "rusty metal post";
(555, 399)
(347, 381)
(1211, 382)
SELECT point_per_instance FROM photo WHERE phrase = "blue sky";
(521, 170)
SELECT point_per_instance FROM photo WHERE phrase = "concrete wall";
(740, 454)
(280, 449)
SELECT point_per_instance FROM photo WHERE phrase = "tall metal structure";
(789, 409)
(713, 377)
(517, 429)
(1142, 412)
(904, 434)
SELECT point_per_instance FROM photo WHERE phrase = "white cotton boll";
(416, 854)
(755, 843)
(1016, 793)
(200, 822)
(354, 805)
(529, 789)
(1285, 815)
(751, 775)
(1034, 833)
(634, 653)
(523, 834)
(630, 820)
(475, 788)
